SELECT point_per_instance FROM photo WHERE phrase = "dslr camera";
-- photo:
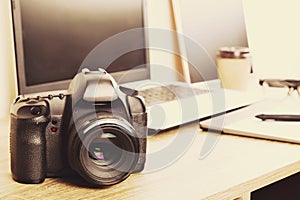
(96, 130)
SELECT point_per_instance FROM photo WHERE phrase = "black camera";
(96, 130)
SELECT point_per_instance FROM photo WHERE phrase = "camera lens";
(104, 152)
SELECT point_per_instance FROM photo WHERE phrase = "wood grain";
(235, 167)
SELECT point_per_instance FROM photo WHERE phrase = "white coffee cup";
(234, 66)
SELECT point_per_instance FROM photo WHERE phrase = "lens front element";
(104, 152)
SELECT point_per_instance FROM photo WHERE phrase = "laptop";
(56, 39)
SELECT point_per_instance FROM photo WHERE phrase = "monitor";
(207, 26)
(55, 39)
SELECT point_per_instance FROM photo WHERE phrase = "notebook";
(244, 123)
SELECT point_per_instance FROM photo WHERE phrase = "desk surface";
(235, 167)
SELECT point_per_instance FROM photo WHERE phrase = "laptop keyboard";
(167, 93)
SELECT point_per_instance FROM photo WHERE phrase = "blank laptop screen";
(53, 38)
(207, 26)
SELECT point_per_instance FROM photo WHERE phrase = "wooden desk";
(235, 167)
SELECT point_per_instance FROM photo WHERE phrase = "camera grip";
(28, 150)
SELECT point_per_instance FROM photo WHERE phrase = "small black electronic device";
(97, 130)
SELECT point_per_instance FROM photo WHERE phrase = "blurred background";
(272, 30)
(203, 22)
(7, 73)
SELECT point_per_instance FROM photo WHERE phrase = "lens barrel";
(104, 152)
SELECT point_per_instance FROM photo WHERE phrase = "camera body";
(97, 130)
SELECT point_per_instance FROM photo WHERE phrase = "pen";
(276, 117)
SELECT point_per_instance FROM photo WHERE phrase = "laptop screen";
(207, 26)
(55, 39)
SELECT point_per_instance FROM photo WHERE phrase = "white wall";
(274, 37)
(7, 75)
